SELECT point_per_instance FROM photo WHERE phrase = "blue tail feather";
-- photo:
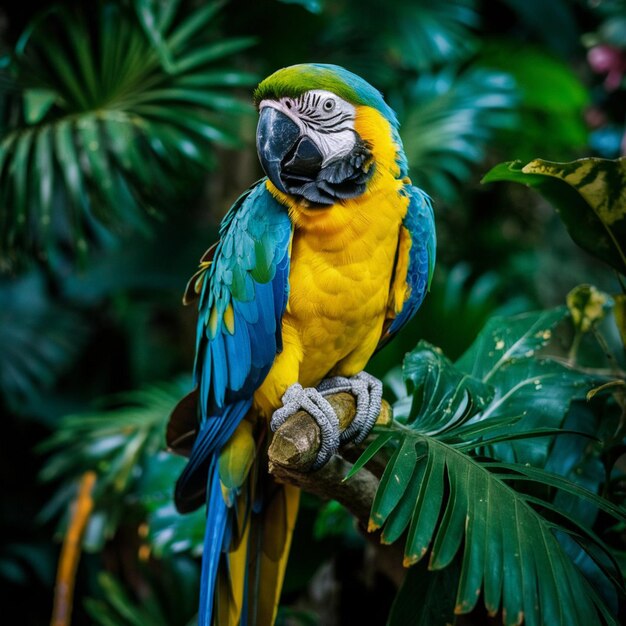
(216, 520)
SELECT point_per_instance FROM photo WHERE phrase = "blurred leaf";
(589, 195)
(19, 561)
(39, 339)
(426, 598)
(313, 6)
(551, 100)
(121, 113)
(168, 532)
(333, 519)
(169, 600)
(418, 36)
(117, 443)
(449, 119)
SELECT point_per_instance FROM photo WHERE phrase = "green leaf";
(510, 550)
(443, 396)
(394, 482)
(540, 392)
(37, 103)
(504, 339)
(425, 598)
(370, 452)
(589, 195)
(120, 120)
(449, 120)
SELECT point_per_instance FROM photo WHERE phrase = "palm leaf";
(449, 118)
(127, 433)
(124, 111)
(417, 36)
(445, 495)
(169, 599)
(39, 340)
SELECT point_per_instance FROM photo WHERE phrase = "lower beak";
(275, 137)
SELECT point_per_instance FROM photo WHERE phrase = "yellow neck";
(349, 219)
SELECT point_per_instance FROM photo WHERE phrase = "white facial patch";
(325, 118)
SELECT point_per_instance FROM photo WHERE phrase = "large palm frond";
(447, 490)
(118, 113)
(123, 443)
(449, 119)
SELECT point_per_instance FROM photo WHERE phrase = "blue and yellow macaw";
(318, 265)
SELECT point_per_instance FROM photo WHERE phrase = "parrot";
(318, 265)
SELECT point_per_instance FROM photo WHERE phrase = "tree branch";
(295, 445)
(292, 451)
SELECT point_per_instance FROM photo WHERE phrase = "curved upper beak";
(275, 136)
(289, 159)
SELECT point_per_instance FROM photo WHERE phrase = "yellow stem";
(70, 553)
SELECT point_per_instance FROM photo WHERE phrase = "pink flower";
(610, 60)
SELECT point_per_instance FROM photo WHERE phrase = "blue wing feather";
(420, 223)
(249, 273)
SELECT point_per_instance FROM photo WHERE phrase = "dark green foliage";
(589, 195)
(442, 490)
(169, 600)
(121, 444)
(118, 115)
(39, 339)
(115, 112)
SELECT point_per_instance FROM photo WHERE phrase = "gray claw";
(368, 392)
(309, 399)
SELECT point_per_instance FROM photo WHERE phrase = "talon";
(368, 392)
(309, 399)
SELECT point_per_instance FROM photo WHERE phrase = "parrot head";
(322, 133)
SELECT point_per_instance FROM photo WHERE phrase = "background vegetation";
(126, 132)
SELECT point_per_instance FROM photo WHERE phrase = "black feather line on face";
(341, 179)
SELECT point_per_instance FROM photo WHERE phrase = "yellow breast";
(342, 261)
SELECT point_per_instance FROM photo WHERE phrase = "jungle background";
(127, 131)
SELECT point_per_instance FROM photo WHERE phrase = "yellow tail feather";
(259, 550)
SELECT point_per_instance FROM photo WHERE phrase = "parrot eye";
(329, 105)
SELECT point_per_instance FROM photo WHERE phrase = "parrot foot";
(309, 399)
(368, 391)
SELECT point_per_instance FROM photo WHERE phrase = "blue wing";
(415, 260)
(243, 286)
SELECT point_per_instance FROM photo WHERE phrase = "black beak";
(288, 159)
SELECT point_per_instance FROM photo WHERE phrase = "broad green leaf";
(539, 391)
(503, 339)
(511, 552)
(589, 195)
(443, 396)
